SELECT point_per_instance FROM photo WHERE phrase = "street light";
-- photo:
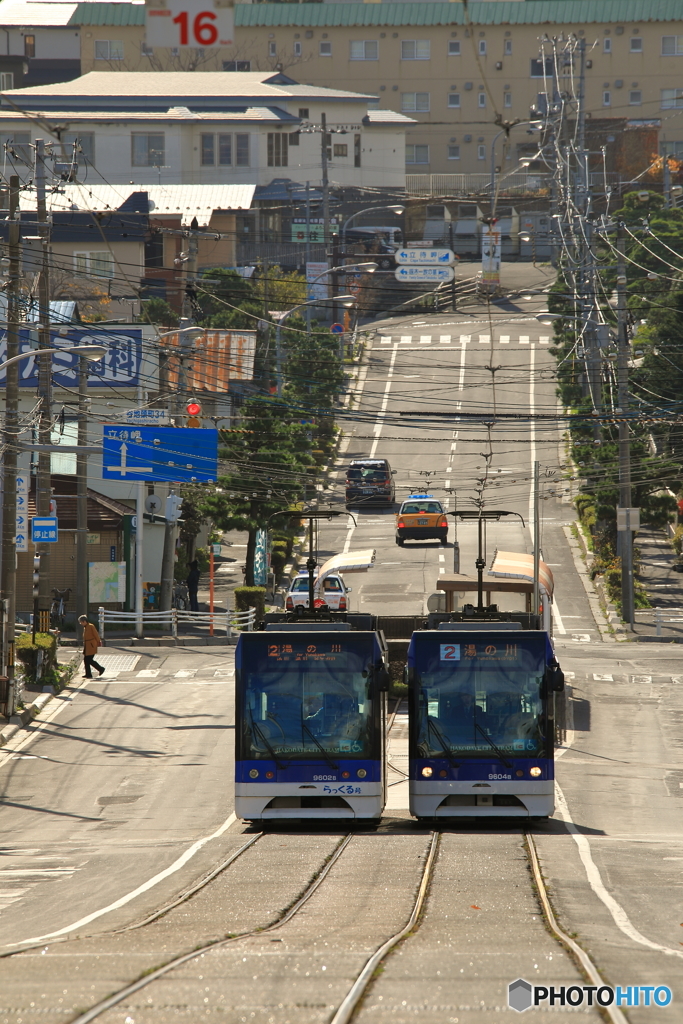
(398, 209)
(365, 268)
(345, 300)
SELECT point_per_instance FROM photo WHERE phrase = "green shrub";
(398, 689)
(29, 654)
(278, 560)
(251, 597)
(677, 540)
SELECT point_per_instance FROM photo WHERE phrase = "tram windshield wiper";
(264, 740)
(490, 742)
(320, 747)
(443, 740)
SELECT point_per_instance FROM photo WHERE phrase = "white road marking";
(406, 339)
(558, 619)
(602, 678)
(619, 915)
(465, 338)
(145, 887)
(385, 341)
(524, 339)
(461, 379)
(148, 673)
(544, 339)
(185, 673)
(532, 443)
(425, 339)
(385, 402)
(505, 339)
(445, 339)
(484, 339)
(454, 445)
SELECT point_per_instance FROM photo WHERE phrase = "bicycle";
(58, 607)
(181, 597)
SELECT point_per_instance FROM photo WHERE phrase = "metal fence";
(232, 623)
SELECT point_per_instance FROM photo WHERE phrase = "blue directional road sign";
(44, 530)
(171, 454)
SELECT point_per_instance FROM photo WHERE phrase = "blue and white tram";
(310, 722)
(482, 721)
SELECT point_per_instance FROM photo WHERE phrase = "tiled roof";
(387, 117)
(49, 15)
(245, 115)
(103, 513)
(503, 12)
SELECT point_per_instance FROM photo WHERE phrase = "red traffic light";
(193, 408)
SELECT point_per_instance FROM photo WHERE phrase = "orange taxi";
(421, 517)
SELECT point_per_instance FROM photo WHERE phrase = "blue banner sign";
(120, 367)
(171, 454)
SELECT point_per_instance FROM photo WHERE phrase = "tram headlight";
(535, 772)
(361, 773)
(427, 771)
(253, 774)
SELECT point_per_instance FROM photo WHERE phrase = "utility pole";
(326, 182)
(308, 253)
(335, 276)
(625, 536)
(537, 538)
(82, 495)
(43, 478)
(10, 436)
(667, 182)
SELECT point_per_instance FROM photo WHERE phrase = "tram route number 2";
(192, 23)
(449, 652)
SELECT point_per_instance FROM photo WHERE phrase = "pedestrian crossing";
(461, 339)
(211, 675)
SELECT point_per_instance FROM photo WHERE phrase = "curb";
(579, 554)
(27, 714)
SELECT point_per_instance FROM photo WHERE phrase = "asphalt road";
(121, 797)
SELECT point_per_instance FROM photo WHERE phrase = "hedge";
(27, 652)
(251, 597)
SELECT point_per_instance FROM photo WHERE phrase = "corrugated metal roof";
(124, 14)
(248, 115)
(185, 201)
(504, 12)
(49, 15)
(378, 116)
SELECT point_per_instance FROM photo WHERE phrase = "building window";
(607, 45)
(672, 149)
(415, 49)
(94, 264)
(294, 138)
(145, 50)
(241, 150)
(6, 80)
(417, 154)
(606, 98)
(672, 99)
(453, 47)
(278, 149)
(454, 99)
(303, 113)
(208, 151)
(482, 47)
(481, 152)
(216, 145)
(20, 148)
(635, 97)
(482, 99)
(85, 142)
(454, 152)
(356, 151)
(340, 149)
(415, 101)
(297, 49)
(507, 99)
(108, 49)
(364, 49)
(237, 65)
(636, 44)
(325, 49)
(272, 49)
(507, 48)
(539, 71)
(29, 46)
(672, 46)
(147, 150)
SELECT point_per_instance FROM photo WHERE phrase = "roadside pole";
(82, 496)
(625, 536)
(9, 507)
(139, 531)
(211, 588)
(44, 477)
(325, 182)
(537, 538)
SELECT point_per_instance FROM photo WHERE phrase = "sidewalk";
(664, 586)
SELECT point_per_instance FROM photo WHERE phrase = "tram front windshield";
(308, 698)
(481, 697)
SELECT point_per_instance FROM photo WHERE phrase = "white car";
(333, 592)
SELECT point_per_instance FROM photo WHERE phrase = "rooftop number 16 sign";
(192, 23)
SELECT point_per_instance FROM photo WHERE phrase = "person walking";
(91, 642)
(192, 582)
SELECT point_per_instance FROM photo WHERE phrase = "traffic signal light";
(194, 411)
(36, 575)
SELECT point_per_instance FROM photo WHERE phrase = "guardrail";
(659, 621)
(232, 622)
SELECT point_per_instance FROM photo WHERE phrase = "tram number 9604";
(500, 777)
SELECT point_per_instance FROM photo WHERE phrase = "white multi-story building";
(220, 128)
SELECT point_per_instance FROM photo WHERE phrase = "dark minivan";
(369, 482)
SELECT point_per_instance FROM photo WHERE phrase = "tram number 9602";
(324, 778)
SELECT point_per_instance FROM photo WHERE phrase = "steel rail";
(614, 1013)
(350, 1002)
(106, 1004)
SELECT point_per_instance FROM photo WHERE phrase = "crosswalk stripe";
(148, 673)
(186, 673)
(406, 339)
(524, 339)
(484, 339)
(544, 339)
(384, 340)
(464, 338)
(425, 339)
(445, 339)
(505, 339)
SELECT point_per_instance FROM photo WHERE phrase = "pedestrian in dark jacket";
(192, 582)
(91, 642)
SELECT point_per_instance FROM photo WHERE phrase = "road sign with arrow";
(171, 454)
